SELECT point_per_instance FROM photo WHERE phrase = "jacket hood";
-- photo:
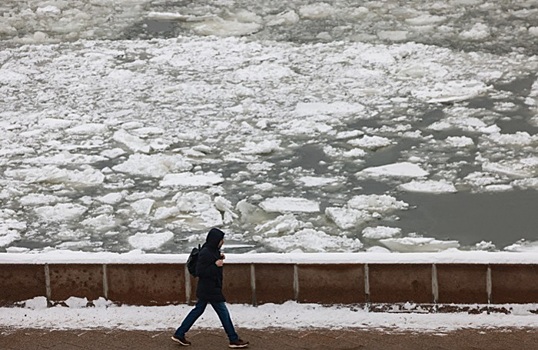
(213, 238)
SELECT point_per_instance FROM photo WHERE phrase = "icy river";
(336, 126)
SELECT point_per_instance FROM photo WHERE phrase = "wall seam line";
(296, 282)
(367, 283)
(48, 290)
(488, 283)
(435, 284)
(105, 282)
(253, 284)
(187, 285)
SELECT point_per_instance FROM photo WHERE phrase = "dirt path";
(273, 339)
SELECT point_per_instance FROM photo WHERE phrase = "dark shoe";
(238, 344)
(181, 341)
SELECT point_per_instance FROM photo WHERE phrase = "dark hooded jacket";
(209, 274)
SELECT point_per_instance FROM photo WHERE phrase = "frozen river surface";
(303, 126)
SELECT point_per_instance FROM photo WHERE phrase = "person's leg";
(225, 319)
(193, 315)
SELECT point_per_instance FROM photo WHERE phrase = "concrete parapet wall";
(258, 283)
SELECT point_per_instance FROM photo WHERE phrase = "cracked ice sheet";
(137, 96)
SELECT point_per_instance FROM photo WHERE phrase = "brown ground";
(272, 339)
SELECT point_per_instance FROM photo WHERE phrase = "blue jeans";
(199, 308)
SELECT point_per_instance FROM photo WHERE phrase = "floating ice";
(418, 244)
(258, 168)
(519, 138)
(264, 71)
(337, 108)
(312, 181)
(143, 206)
(207, 98)
(50, 174)
(404, 169)
(459, 141)
(169, 16)
(526, 184)
(264, 147)
(381, 232)
(480, 180)
(428, 186)
(282, 225)
(316, 11)
(54, 123)
(87, 129)
(282, 19)
(9, 231)
(393, 35)
(289, 204)
(221, 27)
(451, 91)
(111, 198)
(148, 241)
(61, 212)
(38, 199)
(522, 168)
(163, 213)
(425, 19)
(377, 203)
(155, 165)
(483, 245)
(371, 142)
(8, 77)
(310, 240)
(479, 31)
(523, 246)
(346, 218)
(202, 209)
(101, 223)
(191, 180)
(134, 143)
(225, 206)
(460, 119)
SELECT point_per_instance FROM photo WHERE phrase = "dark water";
(502, 217)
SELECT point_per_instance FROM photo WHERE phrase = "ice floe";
(403, 169)
(361, 209)
(149, 241)
(523, 246)
(191, 180)
(417, 244)
(310, 240)
(289, 204)
(61, 212)
(347, 218)
(428, 186)
(312, 181)
(381, 232)
(155, 165)
(452, 91)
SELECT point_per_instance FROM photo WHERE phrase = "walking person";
(209, 291)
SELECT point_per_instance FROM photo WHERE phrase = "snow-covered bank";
(290, 315)
(451, 256)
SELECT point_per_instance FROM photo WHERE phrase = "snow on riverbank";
(290, 315)
(449, 256)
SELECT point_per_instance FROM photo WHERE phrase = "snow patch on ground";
(289, 315)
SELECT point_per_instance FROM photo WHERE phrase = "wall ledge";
(138, 257)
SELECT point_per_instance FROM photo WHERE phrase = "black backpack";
(192, 260)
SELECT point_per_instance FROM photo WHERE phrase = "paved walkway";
(29, 339)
